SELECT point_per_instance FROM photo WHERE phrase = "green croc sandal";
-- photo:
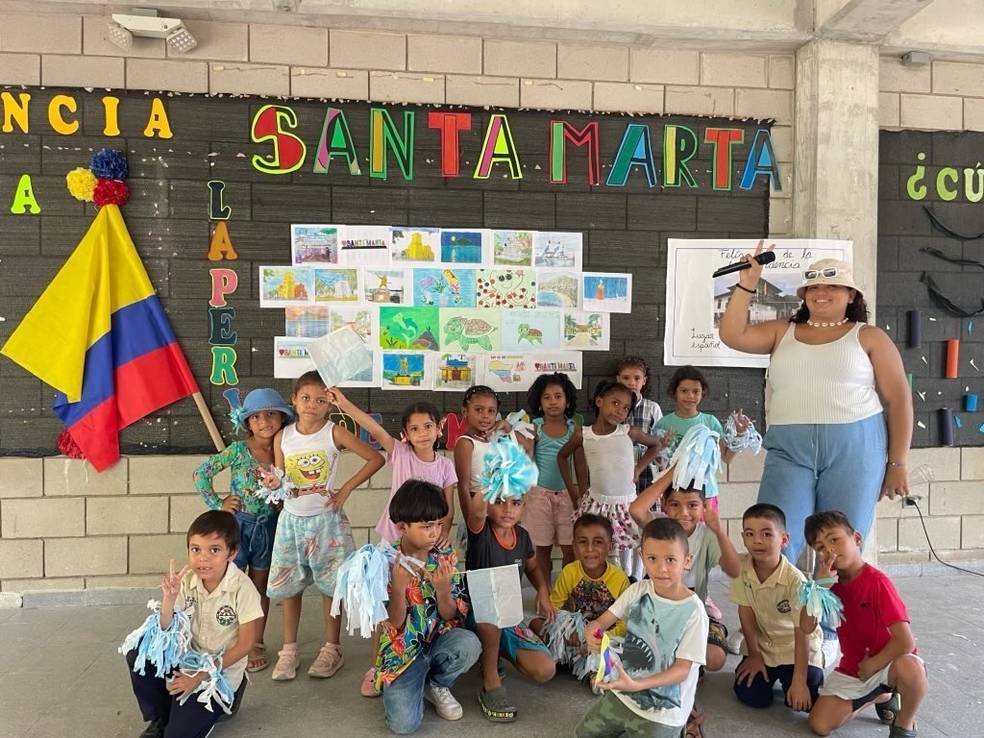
(496, 705)
(888, 710)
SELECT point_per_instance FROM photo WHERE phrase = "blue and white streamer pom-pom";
(362, 585)
(557, 633)
(521, 424)
(283, 492)
(507, 471)
(697, 458)
(738, 442)
(214, 689)
(162, 648)
(821, 603)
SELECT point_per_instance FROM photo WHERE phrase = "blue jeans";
(448, 657)
(816, 468)
(256, 534)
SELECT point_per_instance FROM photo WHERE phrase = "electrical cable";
(913, 502)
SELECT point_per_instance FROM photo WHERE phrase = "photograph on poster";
(414, 245)
(512, 248)
(464, 246)
(457, 372)
(695, 301)
(364, 245)
(607, 293)
(586, 331)
(405, 370)
(407, 327)
(336, 285)
(523, 330)
(283, 286)
(557, 289)
(290, 357)
(385, 286)
(314, 244)
(469, 330)
(447, 287)
(363, 320)
(306, 322)
(557, 250)
(506, 288)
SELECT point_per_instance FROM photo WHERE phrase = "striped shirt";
(644, 416)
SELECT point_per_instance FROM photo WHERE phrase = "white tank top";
(310, 464)
(611, 460)
(829, 383)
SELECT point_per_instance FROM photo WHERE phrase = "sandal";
(694, 723)
(889, 709)
(257, 660)
(496, 705)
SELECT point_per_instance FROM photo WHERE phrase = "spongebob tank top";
(310, 461)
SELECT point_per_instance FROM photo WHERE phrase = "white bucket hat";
(827, 271)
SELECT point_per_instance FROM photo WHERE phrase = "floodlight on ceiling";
(147, 24)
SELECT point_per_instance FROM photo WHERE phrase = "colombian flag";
(99, 335)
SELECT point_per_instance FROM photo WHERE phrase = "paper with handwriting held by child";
(339, 356)
(496, 595)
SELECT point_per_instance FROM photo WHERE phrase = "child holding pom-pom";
(199, 638)
(422, 649)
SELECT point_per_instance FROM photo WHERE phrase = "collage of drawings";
(443, 309)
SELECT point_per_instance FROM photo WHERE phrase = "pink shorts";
(548, 517)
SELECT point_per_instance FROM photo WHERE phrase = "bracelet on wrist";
(899, 464)
(744, 288)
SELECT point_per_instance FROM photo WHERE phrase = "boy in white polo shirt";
(225, 614)
(767, 594)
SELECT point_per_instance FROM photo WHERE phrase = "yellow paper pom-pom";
(81, 183)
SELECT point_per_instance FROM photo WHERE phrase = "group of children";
(637, 554)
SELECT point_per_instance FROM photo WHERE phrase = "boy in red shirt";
(878, 651)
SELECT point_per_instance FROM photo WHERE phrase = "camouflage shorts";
(609, 717)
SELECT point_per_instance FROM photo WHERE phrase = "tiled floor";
(60, 676)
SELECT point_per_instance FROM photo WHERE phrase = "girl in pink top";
(412, 457)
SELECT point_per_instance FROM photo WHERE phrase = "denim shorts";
(256, 534)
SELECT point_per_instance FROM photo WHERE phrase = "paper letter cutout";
(449, 125)
(57, 119)
(24, 198)
(455, 426)
(158, 122)
(636, 148)
(221, 245)
(382, 131)
(15, 111)
(761, 160)
(224, 366)
(224, 282)
(336, 140)
(217, 210)
(220, 326)
(110, 107)
(679, 146)
(722, 139)
(498, 147)
(560, 133)
(233, 397)
(366, 437)
(288, 150)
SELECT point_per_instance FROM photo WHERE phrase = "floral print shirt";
(245, 478)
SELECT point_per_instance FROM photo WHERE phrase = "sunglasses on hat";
(814, 273)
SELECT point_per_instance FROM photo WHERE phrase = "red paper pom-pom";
(68, 447)
(110, 192)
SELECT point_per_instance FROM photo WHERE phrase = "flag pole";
(213, 430)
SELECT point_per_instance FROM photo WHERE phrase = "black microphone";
(766, 257)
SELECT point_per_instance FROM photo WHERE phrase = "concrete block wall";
(941, 96)
(62, 526)
(353, 64)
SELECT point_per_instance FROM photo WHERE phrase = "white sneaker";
(735, 641)
(445, 704)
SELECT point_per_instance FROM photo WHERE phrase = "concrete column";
(835, 193)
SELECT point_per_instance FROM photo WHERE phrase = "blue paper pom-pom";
(109, 164)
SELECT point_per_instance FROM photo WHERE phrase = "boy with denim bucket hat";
(261, 415)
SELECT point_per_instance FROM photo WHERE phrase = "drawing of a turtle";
(533, 335)
(466, 331)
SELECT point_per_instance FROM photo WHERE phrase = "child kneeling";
(653, 692)
(422, 648)
(225, 616)
(878, 651)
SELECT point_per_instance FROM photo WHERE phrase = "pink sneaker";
(329, 661)
(368, 688)
(713, 610)
(287, 663)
